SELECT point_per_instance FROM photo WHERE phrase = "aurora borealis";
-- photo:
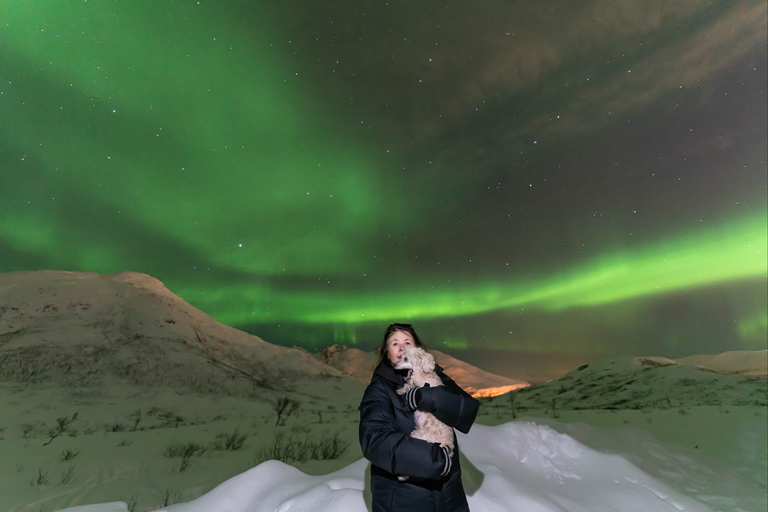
(540, 176)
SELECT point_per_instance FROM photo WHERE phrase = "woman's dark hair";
(392, 329)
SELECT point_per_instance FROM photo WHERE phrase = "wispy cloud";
(690, 61)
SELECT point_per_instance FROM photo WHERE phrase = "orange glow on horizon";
(490, 392)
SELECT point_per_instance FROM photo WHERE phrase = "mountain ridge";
(78, 328)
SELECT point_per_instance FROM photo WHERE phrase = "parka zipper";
(392, 501)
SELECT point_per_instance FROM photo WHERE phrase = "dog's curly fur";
(422, 371)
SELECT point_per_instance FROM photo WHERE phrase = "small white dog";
(421, 366)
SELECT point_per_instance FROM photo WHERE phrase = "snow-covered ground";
(520, 465)
(706, 458)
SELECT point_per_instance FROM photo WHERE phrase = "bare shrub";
(68, 475)
(26, 430)
(115, 427)
(68, 455)
(185, 451)
(136, 417)
(302, 448)
(284, 407)
(231, 442)
(131, 502)
(555, 413)
(326, 448)
(169, 497)
(62, 424)
(191, 449)
(40, 479)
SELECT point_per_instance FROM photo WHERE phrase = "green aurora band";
(731, 252)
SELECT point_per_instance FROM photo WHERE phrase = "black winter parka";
(386, 423)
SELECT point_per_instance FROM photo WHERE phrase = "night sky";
(541, 176)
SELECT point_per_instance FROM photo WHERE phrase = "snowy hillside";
(641, 383)
(81, 329)
(360, 365)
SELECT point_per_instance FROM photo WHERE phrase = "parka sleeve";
(393, 451)
(449, 403)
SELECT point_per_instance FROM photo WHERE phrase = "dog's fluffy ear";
(426, 361)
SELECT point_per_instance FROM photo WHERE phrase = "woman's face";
(396, 344)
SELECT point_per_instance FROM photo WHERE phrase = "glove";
(422, 399)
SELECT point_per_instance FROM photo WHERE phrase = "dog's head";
(416, 359)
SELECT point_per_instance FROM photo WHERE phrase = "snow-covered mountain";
(360, 365)
(742, 362)
(82, 329)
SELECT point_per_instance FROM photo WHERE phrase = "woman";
(386, 421)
